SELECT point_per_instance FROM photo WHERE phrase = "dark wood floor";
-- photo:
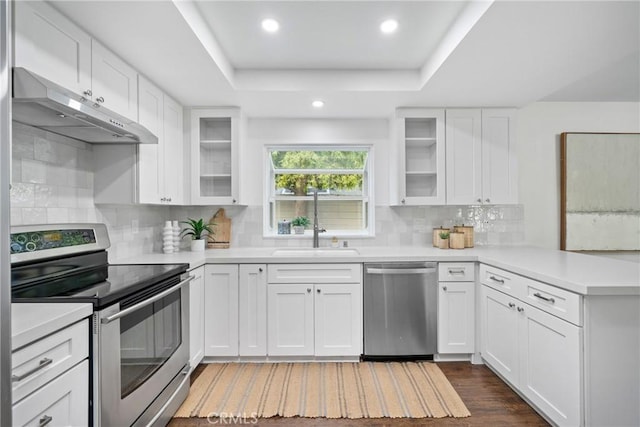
(490, 401)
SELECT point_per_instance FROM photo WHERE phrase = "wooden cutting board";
(221, 226)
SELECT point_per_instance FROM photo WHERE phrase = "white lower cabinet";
(221, 310)
(253, 310)
(196, 317)
(539, 354)
(309, 315)
(456, 317)
(62, 402)
(50, 379)
(235, 310)
(337, 319)
(290, 319)
(456, 308)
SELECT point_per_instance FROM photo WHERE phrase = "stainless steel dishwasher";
(400, 310)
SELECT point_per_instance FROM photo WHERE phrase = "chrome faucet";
(316, 227)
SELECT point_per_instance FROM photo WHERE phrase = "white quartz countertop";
(30, 322)
(579, 273)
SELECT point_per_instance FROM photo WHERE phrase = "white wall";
(538, 134)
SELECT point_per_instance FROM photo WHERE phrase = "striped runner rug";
(331, 390)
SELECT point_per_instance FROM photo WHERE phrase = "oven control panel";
(50, 239)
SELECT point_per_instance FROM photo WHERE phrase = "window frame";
(367, 189)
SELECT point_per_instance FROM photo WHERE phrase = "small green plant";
(195, 228)
(444, 235)
(300, 221)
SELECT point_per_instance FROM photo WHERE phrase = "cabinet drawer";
(314, 273)
(62, 402)
(563, 304)
(456, 272)
(38, 363)
(501, 280)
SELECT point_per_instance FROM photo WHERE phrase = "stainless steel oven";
(140, 329)
(144, 348)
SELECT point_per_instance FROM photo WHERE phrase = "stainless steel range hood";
(43, 104)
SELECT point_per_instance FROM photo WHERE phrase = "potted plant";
(299, 223)
(444, 240)
(195, 229)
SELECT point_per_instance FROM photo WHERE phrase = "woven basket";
(468, 234)
(436, 236)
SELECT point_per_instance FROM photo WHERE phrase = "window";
(341, 177)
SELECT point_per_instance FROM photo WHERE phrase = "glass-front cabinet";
(214, 156)
(421, 162)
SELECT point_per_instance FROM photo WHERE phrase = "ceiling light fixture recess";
(389, 26)
(318, 103)
(270, 25)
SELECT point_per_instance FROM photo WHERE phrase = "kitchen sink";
(294, 252)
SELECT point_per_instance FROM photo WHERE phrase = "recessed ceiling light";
(270, 25)
(318, 103)
(389, 26)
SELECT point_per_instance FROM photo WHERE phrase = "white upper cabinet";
(145, 173)
(481, 158)
(160, 165)
(421, 163)
(49, 44)
(215, 140)
(499, 160)
(114, 83)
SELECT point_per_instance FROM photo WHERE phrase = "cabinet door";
(422, 159)
(62, 402)
(50, 45)
(290, 319)
(196, 317)
(338, 319)
(464, 157)
(253, 310)
(550, 364)
(456, 317)
(221, 310)
(215, 139)
(113, 82)
(172, 158)
(499, 325)
(499, 161)
(150, 112)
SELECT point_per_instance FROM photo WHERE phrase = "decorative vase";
(176, 236)
(298, 229)
(197, 245)
(167, 238)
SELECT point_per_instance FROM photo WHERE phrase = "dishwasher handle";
(423, 270)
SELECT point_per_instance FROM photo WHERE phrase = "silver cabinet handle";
(402, 201)
(308, 290)
(511, 305)
(444, 288)
(520, 309)
(100, 99)
(456, 271)
(495, 279)
(234, 201)
(543, 298)
(479, 200)
(400, 270)
(487, 200)
(146, 302)
(318, 291)
(43, 364)
(88, 92)
(260, 269)
(46, 419)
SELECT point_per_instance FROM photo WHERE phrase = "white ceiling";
(455, 53)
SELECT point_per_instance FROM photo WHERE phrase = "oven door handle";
(145, 303)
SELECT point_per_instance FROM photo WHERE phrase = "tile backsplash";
(52, 181)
